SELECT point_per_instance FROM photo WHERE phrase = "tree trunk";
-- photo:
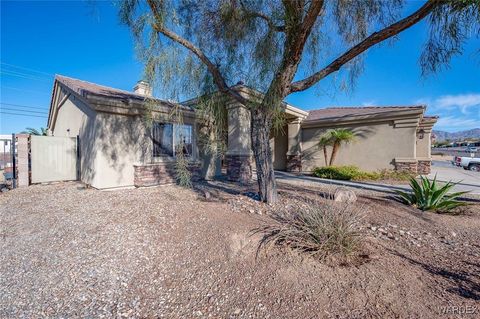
(325, 154)
(335, 148)
(261, 125)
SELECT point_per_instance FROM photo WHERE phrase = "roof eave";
(376, 117)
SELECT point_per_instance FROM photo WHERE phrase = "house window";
(162, 136)
(168, 138)
(183, 138)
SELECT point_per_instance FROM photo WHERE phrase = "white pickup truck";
(471, 163)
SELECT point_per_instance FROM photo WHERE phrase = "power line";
(24, 76)
(23, 90)
(37, 76)
(25, 106)
(27, 69)
(1, 112)
(17, 110)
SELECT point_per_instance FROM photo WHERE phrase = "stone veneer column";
(424, 167)
(406, 165)
(23, 146)
(239, 151)
(294, 153)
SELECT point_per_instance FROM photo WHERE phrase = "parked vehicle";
(456, 160)
(471, 163)
(471, 149)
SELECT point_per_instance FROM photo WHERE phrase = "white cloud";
(456, 123)
(369, 103)
(461, 101)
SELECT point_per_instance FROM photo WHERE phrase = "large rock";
(344, 195)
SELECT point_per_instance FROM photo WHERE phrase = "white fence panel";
(53, 158)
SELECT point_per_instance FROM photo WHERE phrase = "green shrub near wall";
(347, 173)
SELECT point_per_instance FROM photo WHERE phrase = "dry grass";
(319, 230)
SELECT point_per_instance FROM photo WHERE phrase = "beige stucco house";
(129, 138)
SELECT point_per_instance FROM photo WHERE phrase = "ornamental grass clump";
(427, 195)
(318, 230)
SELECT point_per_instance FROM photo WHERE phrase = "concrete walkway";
(305, 180)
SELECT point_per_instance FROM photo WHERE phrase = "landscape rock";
(207, 194)
(344, 195)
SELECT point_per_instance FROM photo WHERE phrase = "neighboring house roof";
(342, 112)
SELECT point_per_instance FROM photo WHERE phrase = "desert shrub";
(386, 174)
(428, 195)
(353, 173)
(182, 172)
(344, 173)
(330, 229)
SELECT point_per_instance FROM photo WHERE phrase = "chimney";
(143, 88)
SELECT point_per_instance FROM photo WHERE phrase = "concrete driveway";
(467, 180)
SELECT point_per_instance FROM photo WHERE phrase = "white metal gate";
(53, 158)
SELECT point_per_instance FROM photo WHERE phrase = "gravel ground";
(66, 251)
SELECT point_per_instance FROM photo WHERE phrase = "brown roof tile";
(83, 87)
(339, 112)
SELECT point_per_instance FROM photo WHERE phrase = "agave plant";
(428, 195)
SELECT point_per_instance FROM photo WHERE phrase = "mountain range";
(456, 136)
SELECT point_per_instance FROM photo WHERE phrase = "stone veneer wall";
(22, 167)
(406, 167)
(424, 167)
(160, 173)
(294, 163)
(239, 168)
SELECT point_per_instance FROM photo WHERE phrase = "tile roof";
(339, 112)
(83, 88)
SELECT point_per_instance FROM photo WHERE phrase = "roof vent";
(143, 88)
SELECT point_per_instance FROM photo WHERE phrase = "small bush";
(353, 173)
(345, 173)
(427, 195)
(317, 230)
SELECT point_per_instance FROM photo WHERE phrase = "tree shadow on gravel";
(461, 281)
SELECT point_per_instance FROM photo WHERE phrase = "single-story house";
(129, 138)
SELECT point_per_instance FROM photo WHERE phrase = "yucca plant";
(427, 195)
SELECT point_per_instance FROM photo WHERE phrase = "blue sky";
(40, 39)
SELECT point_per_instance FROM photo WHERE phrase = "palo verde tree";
(195, 47)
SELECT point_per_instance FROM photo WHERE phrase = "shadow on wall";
(111, 144)
(314, 153)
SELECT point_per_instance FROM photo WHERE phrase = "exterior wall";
(110, 144)
(239, 151)
(120, 142)
(23, 174)
(160, 173)
(376, 146)
(424, 146)
(294, 153)
(279, 146)
(74, 118)
(424, 155)
(424, 167)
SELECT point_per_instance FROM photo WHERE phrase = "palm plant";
(34, 131)
(338, 137)
(427, 195)
(325, 140)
